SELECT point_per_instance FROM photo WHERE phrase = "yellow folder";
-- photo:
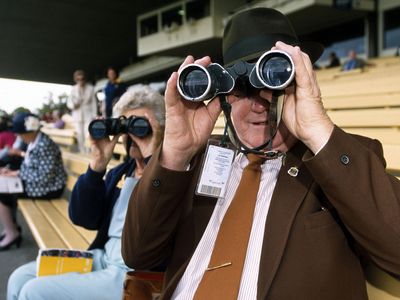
(60, 261)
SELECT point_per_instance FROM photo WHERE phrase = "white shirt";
(190, 280)
(86, 99)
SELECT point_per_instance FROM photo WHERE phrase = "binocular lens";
(139, 127)
(276, 71)
(194, 83)
(102, 128)
(98, 129)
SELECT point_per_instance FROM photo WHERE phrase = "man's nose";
(259, 104)
(266, 95)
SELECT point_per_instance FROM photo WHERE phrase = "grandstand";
(363, 101)
(166, 34)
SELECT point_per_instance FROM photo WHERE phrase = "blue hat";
(24, 122)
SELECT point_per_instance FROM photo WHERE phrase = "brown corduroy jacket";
(308, 252)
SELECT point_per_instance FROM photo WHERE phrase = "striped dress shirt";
(194, 272)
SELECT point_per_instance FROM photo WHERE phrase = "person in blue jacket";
(100, 204)
(112, 91)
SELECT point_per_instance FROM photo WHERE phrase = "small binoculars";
(102, 128)
(274, 70)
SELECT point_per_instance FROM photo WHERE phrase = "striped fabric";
(200, 259)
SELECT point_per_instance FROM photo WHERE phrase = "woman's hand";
(16, 152)
(102, 151)
(188, 124)
(9, 173)
(303, 111)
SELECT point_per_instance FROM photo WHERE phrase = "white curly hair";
(141, 96)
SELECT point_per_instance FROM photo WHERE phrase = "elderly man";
(304, 201)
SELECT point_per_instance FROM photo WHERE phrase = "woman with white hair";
(99, 204)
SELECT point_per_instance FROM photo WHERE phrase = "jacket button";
(344, 159)
(156, 182)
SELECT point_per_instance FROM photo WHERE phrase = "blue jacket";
(93, 198)
(113, 91)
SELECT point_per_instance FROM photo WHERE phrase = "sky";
(29, 94)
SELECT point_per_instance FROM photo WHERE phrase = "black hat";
(24, 122)
(251, 32)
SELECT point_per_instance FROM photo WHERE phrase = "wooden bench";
(65, 138)
(51, 227)
(49, 221)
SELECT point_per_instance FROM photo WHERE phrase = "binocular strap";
(273, 118)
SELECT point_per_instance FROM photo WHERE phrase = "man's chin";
(283, 142)
(280, 142)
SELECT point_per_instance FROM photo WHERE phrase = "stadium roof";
(46, 40)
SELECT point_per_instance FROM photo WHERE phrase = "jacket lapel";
(201, 209)
(287, 197)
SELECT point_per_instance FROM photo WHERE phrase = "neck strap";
(265, 149)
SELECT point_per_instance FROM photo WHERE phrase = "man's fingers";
(171, 93)
(204, 61)
(214, 108)
(302, 75)
(188, 60)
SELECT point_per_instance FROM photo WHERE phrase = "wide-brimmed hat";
(251, 32)
(24, 122)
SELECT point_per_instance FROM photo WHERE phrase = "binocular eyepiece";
(274, 70)
(102, 128)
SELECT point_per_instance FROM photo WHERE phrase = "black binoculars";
(102, 128)
(274, 70)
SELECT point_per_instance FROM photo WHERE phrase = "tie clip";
(219, 266)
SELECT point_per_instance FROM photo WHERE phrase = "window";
(392, 28)
(172, 17)
(197, 9)
(148, 26)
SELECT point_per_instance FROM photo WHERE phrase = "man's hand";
(303, 111)
(188, 124)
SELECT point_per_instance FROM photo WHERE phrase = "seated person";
(7, 137)
(99, 204)
(353, 62)
(42, 174)
(333, 60)
(57, 121)
(7, 141)
(12, 157)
